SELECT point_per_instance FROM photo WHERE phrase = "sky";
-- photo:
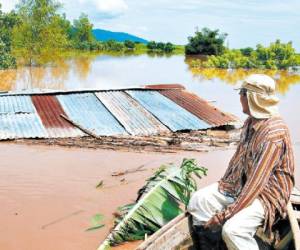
(247, 23)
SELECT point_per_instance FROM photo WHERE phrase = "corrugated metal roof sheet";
(50, 112)
(20, 125)
(38, 91)
(19, 119)
(138, 111)
(199, 107)
(135, 119)
(16, 104)
(86, 109)
(169, 113)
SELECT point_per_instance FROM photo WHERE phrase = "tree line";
(36, 33)
(208, 42)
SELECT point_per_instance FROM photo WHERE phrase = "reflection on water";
(283, 78)
(82, 66)
(7, 79)
(90, 70)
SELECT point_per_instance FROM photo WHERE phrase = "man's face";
(244, 101)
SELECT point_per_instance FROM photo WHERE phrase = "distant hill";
(104, 35)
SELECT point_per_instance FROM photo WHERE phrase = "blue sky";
(246, 22)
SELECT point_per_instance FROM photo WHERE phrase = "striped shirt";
(262, 167)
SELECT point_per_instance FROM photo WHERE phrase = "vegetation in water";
(161, 47)
(210, 43)
(277, 55)
(39, 34)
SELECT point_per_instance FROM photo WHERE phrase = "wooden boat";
(176, 234)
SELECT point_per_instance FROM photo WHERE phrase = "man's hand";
(213, 224)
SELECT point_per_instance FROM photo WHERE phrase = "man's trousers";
(238, 231)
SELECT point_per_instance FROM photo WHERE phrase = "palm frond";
(159, 201)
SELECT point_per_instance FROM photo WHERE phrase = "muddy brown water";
(48, 194)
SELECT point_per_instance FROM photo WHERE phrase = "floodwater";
(48, 193)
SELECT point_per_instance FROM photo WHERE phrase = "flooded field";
(49, 193)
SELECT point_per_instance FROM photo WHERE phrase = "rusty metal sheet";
(86, 110)
(199, 107)
(135, 119)
(50, 112)
(168, 112)
(164, 86)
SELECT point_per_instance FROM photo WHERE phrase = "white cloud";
(96, 9)
(8, 5)
(113, 6)
(108, 7)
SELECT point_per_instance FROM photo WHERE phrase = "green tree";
(83, 30)
(169, 47)
(206, 42)
(39, 36)
(66, 25)
(7, 22)
(151, 45)
(247, 51)
(112, 45)
(6, 59)
(129, 44)
(160, 46)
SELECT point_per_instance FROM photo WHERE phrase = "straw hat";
(261, 96)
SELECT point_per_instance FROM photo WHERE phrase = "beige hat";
(261, 96)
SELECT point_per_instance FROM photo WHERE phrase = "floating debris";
(96, 222)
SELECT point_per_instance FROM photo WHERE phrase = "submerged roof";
(131, 114)
(153, 109)
(50, 110)
(168, 112)
(86, 109)
(198, 106)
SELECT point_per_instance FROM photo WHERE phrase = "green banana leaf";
(165, 196)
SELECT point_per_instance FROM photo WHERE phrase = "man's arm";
(264, 163)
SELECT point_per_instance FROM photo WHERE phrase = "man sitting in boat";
(259, 179)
